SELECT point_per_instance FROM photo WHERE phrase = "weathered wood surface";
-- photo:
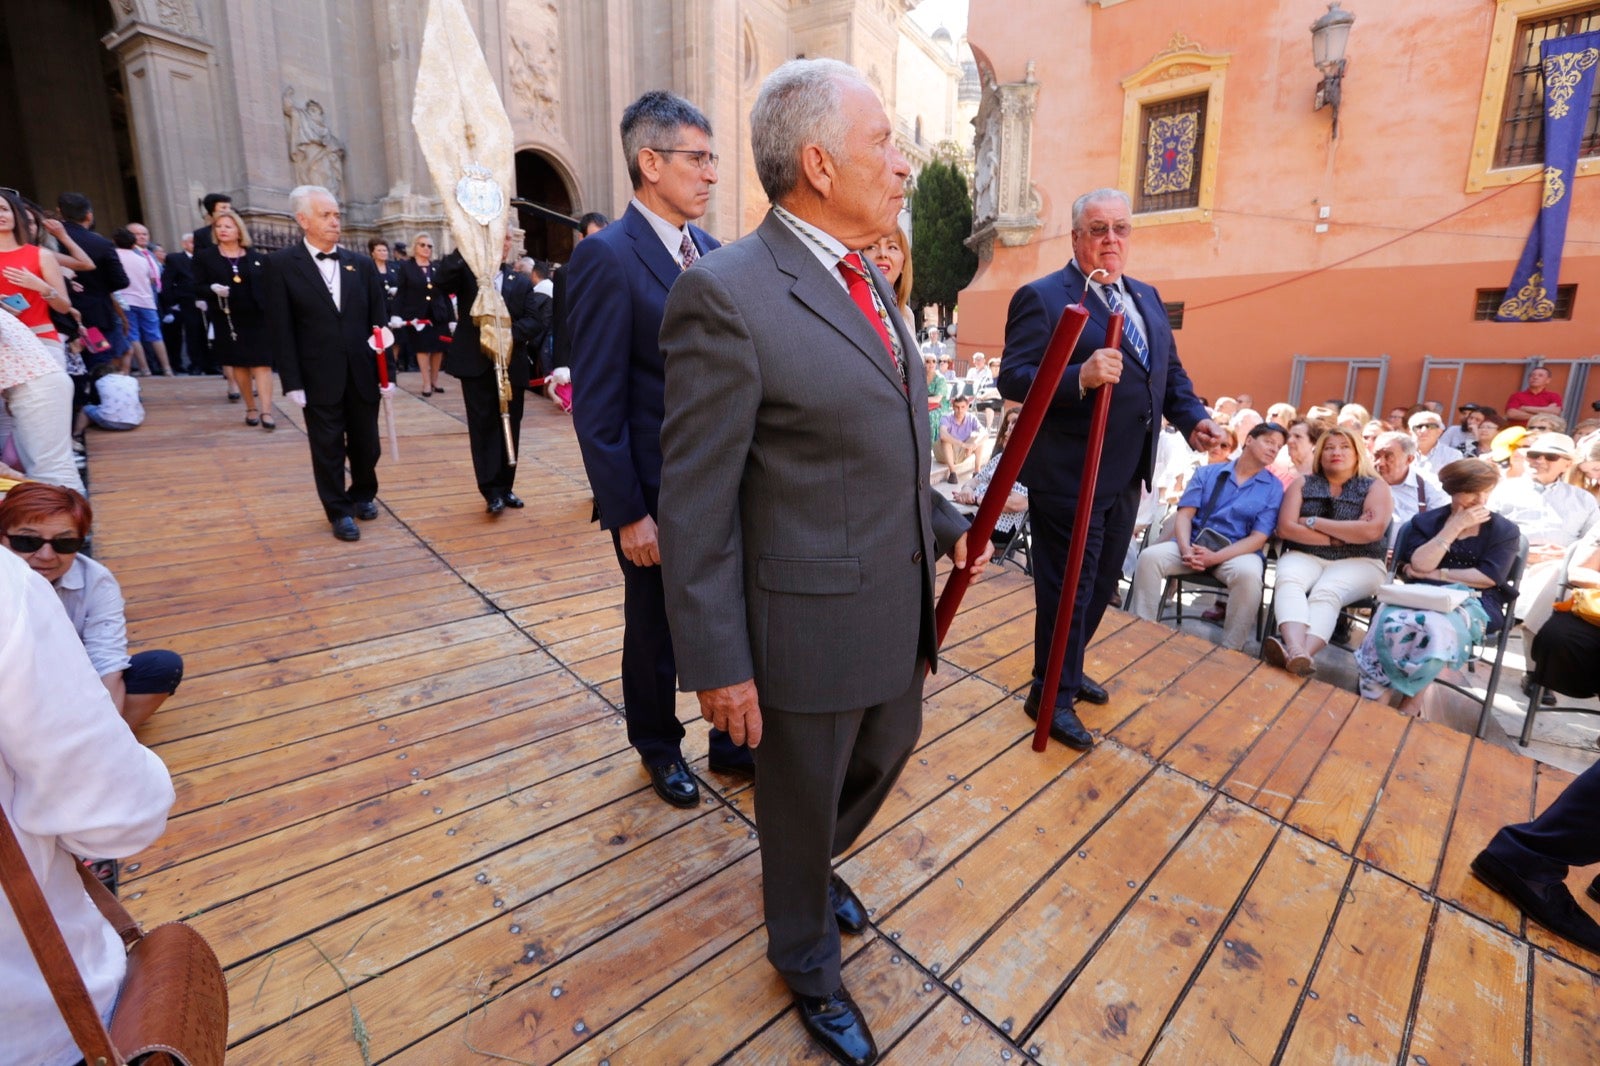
(409, 821)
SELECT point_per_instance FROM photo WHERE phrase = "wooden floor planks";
(411, 825)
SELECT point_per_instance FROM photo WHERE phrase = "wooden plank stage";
(410, 823)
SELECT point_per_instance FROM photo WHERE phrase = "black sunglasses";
(28, 543)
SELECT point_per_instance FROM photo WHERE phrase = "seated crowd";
(1340, 505)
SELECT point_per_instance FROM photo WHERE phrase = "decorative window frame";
(1481, 172)
(1183, 69)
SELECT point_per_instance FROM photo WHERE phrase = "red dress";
(37, 316)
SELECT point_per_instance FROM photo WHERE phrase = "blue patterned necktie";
(1130, 328)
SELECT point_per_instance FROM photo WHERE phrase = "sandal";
(268, 424)
(250, 419)
(233, 397)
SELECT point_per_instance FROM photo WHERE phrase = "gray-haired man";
(798, 532)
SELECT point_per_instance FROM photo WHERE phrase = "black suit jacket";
(1138, 402)
(465, 358)
(412, 300)
(320, 348)
(616, 296)
(94, 302)
(203, 238)
(177, 281)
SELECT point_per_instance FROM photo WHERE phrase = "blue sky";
(952, 13)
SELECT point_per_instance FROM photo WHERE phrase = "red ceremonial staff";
(1034, 406)
(382, 338)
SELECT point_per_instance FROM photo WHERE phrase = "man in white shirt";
(1395, 453)
(1427, 428)
(1551, 512)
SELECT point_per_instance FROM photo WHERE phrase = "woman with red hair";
(47, 526)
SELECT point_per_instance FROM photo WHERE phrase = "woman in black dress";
(229, 277)
(425, 311)
(389, 272)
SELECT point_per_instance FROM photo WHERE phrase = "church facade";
(146, 105)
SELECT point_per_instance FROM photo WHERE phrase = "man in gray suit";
(798, 533)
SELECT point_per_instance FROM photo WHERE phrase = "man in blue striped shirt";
(1226, 516)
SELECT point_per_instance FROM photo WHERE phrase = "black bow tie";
(327, 255)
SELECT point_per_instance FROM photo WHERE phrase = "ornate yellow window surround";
(1481, 171)
(1182, 69)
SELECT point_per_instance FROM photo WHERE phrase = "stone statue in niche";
(986, 199)
(317, 155)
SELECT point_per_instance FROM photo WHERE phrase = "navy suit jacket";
(1138, 402)
(616, 293)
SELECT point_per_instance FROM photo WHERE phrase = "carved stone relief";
(535, 73)
(317, 155)
(177, 15)
(1006, 205)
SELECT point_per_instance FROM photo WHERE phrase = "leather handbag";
(173, 1008)
(1584, 604)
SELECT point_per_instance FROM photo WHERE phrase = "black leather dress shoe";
(1065, 725)
(835, 1022)
(847, 908)
(1092, 691)
(344, 527)
(366, 510)
(1548, 903)
(513, 500)
(673, 783)
(495, 505)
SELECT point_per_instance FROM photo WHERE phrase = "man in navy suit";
(616, 292)
(322, 305)
(1147, 382)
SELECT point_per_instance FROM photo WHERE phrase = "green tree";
(941, 221)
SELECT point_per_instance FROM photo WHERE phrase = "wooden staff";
(1034, 407)
(1078, 545)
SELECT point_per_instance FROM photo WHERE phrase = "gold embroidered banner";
(1169, 163)
(1568, 65)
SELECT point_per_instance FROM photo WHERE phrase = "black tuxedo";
(94, 303)
(187, 332)
(1054, 465)
(480, 389)
(323, 350)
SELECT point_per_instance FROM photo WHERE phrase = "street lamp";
(1329, 35)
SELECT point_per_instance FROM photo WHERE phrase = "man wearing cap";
(1551, 512)
(1432, 456)
(1395, 455)
(1236, 504)
(1463, 433)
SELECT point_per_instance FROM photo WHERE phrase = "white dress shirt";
(671, 236)
(81, 784)
(329, 269)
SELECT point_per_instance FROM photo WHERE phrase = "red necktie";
(855, 276)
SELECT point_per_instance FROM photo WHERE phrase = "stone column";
(412, 202)
(705, 71)
(172, 109)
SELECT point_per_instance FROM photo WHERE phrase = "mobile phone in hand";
(15, 301)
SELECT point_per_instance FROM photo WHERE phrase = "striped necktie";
(1130, 327)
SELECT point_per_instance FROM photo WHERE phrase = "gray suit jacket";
(798, 532)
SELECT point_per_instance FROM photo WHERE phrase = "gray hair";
(1404, 441)
(300, 198)
(1081, 204)
(655, 117)
(799, 104)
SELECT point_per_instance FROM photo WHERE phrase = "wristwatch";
(1311, 523)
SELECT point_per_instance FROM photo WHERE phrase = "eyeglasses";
(1549, 457)
(1098, 230)
(698, 158)
(28, 543)
(424, 244)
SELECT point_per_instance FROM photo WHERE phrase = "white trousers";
(1311, 590)
(1242, 574)
(41, 413)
